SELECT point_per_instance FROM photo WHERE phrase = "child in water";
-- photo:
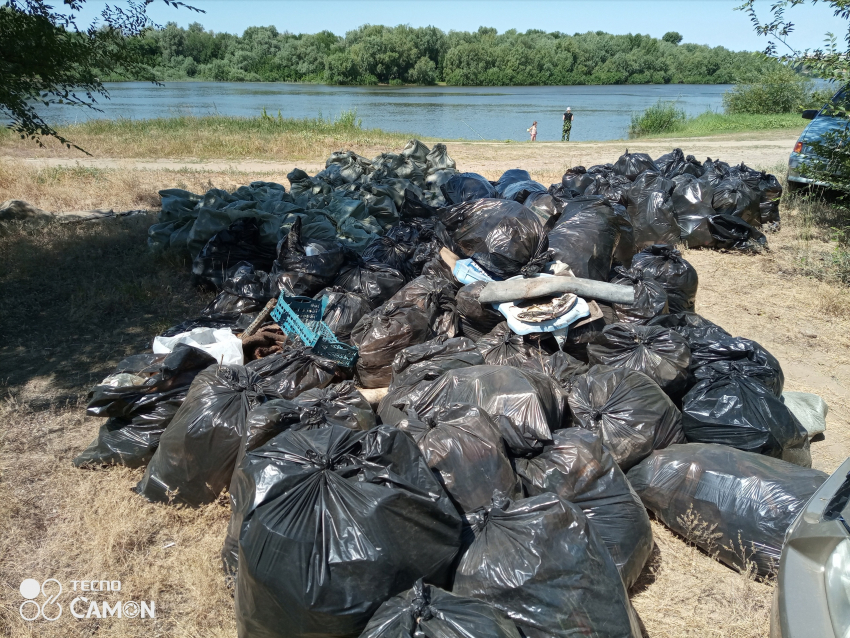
(533, 131)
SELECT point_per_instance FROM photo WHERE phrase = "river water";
(501, 113)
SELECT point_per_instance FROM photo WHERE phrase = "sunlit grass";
(711, 123)
(269, 136)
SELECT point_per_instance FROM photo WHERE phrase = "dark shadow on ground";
(77, 298)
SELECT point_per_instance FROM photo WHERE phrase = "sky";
(712, 22)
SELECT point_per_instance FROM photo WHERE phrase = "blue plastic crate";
(302, 317)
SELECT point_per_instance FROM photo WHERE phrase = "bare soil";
(76, 299)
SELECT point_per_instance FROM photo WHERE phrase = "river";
(501, 113)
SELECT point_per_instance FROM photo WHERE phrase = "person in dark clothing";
(568, 125)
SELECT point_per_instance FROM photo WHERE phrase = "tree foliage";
(373, 54)
(46, 58)
(830, 62)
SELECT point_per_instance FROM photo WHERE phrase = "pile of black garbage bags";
(502, 486)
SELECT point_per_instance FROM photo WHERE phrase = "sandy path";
(542, 159)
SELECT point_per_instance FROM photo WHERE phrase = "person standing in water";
(568, 125)
(533, 131)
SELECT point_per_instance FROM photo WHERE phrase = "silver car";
(822, 122)
(812, 596)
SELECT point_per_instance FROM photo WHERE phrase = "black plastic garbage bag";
(434, 296)
(695, 328)
(626, 246)
(381, 334)
(503, 237)
(520, 191)
(305, 269)
(295, 370)
(426, 610)
(770, 191)
(129, 442)
(749, 500)
(544, 205)
(376, 282)
(660, 353)
(476, 319)
(633, 164)
(501, 347)
(464, 448)
(650, 181)
(710, 346)
(335, 522)
(240, 242)
(245, 290)
(416, 151)
(730, 405)
(628, 410)
(650, 297)
(586, 236)
(510, 177)
(438, 159)
(654, 219)
(539, 561)
(340, 404)
(392, 253)
(675, 163)
(692, 205)
(533, 403)
(613, 187)
(733, 197)
(343, 310)
(733, 233)
(264, 423)
(197, 452)
(415, 369)
(715, 170)
(466, 187)
(156, 379)
(577, 179)
(577, 468)
(666, 265)
(560, 366)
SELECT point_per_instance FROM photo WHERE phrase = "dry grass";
(79, 298)
(209, 137)
(683, 594)
(60, 522)
(68, 188)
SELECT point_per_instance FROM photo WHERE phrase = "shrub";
(777, 89)
(661, 117)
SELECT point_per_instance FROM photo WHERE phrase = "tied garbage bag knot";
(324, 461)
(421, 605)
(537, 263)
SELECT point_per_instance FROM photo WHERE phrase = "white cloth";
(221, 344)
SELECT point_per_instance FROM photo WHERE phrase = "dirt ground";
(78, 299)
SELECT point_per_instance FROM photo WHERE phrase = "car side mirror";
(810, 114)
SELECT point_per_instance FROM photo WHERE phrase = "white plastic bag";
(219, 343)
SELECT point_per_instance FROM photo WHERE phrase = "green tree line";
(375, 54)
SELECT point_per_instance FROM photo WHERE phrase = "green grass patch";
(711, 123)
